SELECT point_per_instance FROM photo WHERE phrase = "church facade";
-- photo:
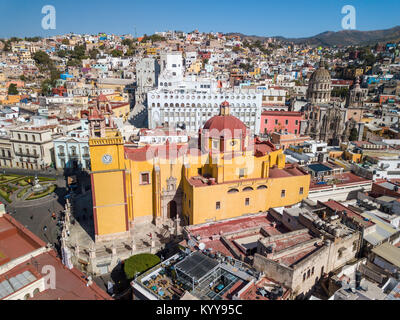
(325, 120)
(227, 174)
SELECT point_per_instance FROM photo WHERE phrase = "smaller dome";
(320, 74)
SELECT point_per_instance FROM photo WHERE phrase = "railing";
(22, 154)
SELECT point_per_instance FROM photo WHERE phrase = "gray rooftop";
(197, 265)
(8, 287)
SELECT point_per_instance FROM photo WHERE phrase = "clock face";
(107, 159)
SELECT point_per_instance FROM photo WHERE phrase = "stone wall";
(273, 270)
(308, 271)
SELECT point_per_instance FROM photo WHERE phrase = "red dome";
(216, 125)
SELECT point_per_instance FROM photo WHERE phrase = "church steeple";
(97, 123)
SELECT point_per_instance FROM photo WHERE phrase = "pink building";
(280, 121)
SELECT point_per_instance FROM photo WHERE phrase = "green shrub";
(46, 179)
(4, 194)
(23, 183)
(22, 193)
(139, 264)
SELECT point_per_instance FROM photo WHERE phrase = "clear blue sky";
(289, 18)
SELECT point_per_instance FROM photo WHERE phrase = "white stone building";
(32, 147)
(190, 108)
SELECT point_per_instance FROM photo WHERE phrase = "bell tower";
(110, 208)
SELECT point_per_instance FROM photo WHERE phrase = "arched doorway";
(172, 210)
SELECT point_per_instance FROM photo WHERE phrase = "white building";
(32, 147)
(45, 101)
(385, 168)
(171, 65)
(72, 151)
(191, 108)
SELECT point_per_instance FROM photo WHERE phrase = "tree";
(340, 92)
(79, 52)
(32, 39)
(93, 53)
(42, 58)
(246, 66)
(127, 42)
(139, 264)
(353, 135)
(130, 52)
(7, 46)
(117, 53)
(54, 75)
(46, 87)
(62, 53)
(12, 89)
(65, 42)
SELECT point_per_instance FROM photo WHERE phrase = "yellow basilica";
(225, 174)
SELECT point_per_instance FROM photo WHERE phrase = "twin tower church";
(228, 174)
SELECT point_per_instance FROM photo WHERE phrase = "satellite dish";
(202, 246)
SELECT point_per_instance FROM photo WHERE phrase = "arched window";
(233, 191)
(248, 189)
(261, 187)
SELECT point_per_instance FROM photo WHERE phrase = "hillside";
(344, 37)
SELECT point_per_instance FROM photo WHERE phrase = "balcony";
(61, 155)
(86, 155)
(26, 154)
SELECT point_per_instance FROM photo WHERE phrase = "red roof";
(334, 205)
(16, 241)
